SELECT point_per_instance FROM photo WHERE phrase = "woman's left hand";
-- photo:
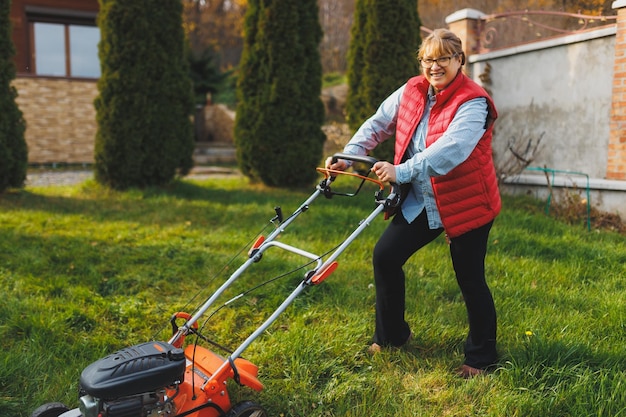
(385, 171)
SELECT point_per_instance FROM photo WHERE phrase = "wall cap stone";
(618, 4)
(466, 14)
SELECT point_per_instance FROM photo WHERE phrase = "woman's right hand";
(339, 165)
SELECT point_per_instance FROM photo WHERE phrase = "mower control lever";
(279, 214)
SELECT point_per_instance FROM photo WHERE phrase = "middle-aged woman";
(443, 123)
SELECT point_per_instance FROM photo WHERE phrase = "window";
(64, 45)
(50, 49)
(84, 60)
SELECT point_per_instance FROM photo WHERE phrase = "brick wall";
(616, 156)
(60, 119)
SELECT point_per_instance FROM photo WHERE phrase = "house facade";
(56, 43)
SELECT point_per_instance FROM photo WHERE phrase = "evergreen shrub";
(382, 57)
(278, 132)
(145, 132)
(13, 148)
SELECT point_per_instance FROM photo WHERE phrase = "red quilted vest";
(468, 196)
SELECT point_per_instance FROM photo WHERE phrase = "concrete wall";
(559, 88)
(569, 91)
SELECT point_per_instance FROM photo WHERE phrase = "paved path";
(40, 178)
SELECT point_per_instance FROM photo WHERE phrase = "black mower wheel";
(50, 410)
(247, 409)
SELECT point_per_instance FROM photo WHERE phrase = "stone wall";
(219, 124)
(60, 119)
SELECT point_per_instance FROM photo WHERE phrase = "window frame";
(65, 17)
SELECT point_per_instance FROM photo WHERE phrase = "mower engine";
(132, 382)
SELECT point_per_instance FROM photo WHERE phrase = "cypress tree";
(145, 134)
(382, 57)
(278, 132)
(13, 149)
(356, 109)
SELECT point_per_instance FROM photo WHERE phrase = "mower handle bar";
(394, 195)
(354, 158)
(383, 204)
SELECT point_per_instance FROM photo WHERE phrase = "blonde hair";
(439, 43)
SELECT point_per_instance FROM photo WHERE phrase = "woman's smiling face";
(440, 68)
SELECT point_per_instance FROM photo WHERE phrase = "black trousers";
(396, 245)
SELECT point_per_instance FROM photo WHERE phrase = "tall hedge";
(145, 101)
(279, 116)
(382, 56)
(13, 149)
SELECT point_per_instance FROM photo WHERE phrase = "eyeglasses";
(443, 61)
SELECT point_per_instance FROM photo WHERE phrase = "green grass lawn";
(85, 271)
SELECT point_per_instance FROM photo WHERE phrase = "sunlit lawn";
(85, 271)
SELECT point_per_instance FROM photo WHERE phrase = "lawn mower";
(174, 379)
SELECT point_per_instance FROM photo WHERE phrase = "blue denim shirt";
(449, 151)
